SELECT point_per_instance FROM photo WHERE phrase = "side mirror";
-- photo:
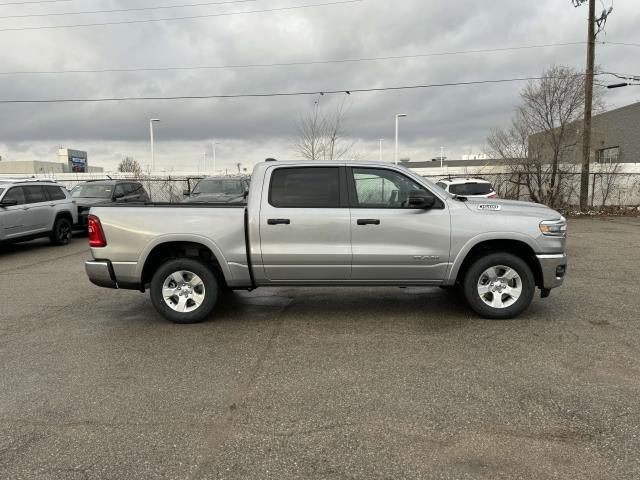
(9, 202)
(420, 199)
(186, 193)
(245, 194)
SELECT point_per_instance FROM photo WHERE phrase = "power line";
(277, 94)
(290, 64)
(293, 64)
(120, 10)
(189, 17)
(34, 1)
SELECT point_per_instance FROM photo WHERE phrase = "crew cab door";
(390, 241)
(304, 224)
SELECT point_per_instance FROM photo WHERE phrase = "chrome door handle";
(368, 221)
(278, 221)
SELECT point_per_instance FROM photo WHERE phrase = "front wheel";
(184, 290)
(499, 286)
(61, 232)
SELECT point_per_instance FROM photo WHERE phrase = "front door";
(304, 224)
(390, 241)
(12, 217)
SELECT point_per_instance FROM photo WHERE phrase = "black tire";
(211, 290)
(61, 232)
(476, 271)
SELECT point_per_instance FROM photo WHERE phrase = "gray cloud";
(251, 129)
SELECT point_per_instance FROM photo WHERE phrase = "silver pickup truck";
(330, 224)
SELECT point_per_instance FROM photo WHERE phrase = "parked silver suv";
(35, 208)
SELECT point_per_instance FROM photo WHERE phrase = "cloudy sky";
(248, 130)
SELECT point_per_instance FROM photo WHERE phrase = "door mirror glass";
(420, 199)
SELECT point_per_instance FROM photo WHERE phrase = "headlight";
(554, 228)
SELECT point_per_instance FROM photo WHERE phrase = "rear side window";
(55, 193)
(305, 187)
(471, 189)
(35, 194)
(16, 194)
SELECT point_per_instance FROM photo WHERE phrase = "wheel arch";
(522, 247)
(66, 214)
(198, 248)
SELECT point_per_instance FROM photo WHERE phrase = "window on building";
(608, 155)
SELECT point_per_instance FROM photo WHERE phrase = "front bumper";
(553, 268)
(100, 272)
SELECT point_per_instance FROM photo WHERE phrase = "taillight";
(96, 235)
(493, 195)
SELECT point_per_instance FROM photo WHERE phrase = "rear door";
(304, 224)
(12, 218)
(40, 211)
(390, 241)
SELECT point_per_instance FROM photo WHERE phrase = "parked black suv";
(96, 192)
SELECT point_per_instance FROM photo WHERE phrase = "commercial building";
(69, 161)
(614, 138)
(38, 167)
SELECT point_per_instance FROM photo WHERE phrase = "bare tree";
(539, 145)
(606, 176)
(130, 165)
(322, 136)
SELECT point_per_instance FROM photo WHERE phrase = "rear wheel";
(499, 286)
(61, 232)
(184, 290)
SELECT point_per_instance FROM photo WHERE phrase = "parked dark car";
(218, 189)
(97, 192)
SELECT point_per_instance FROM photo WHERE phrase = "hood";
(214, 197)
(492, 206)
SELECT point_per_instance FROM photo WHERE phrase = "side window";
(119, 190)
(17, 194)
(55, 193)
(35, 194)
(134, 188)
(381, 188)
(305, 187)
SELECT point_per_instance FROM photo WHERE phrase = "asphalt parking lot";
(348, 383)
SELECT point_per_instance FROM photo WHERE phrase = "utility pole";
(380, 153)
(588, 107)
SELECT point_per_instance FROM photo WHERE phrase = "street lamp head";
(154, 120)
(401, 115)
(618, 85)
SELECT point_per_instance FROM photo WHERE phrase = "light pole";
(381, 140)
(213, 144)
(441, 156)
(397, 118)
(151, 122)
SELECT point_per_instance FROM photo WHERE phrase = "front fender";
(483, 237)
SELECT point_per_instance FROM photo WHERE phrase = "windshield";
(92, 190)
(471, 189)
(218, 185)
